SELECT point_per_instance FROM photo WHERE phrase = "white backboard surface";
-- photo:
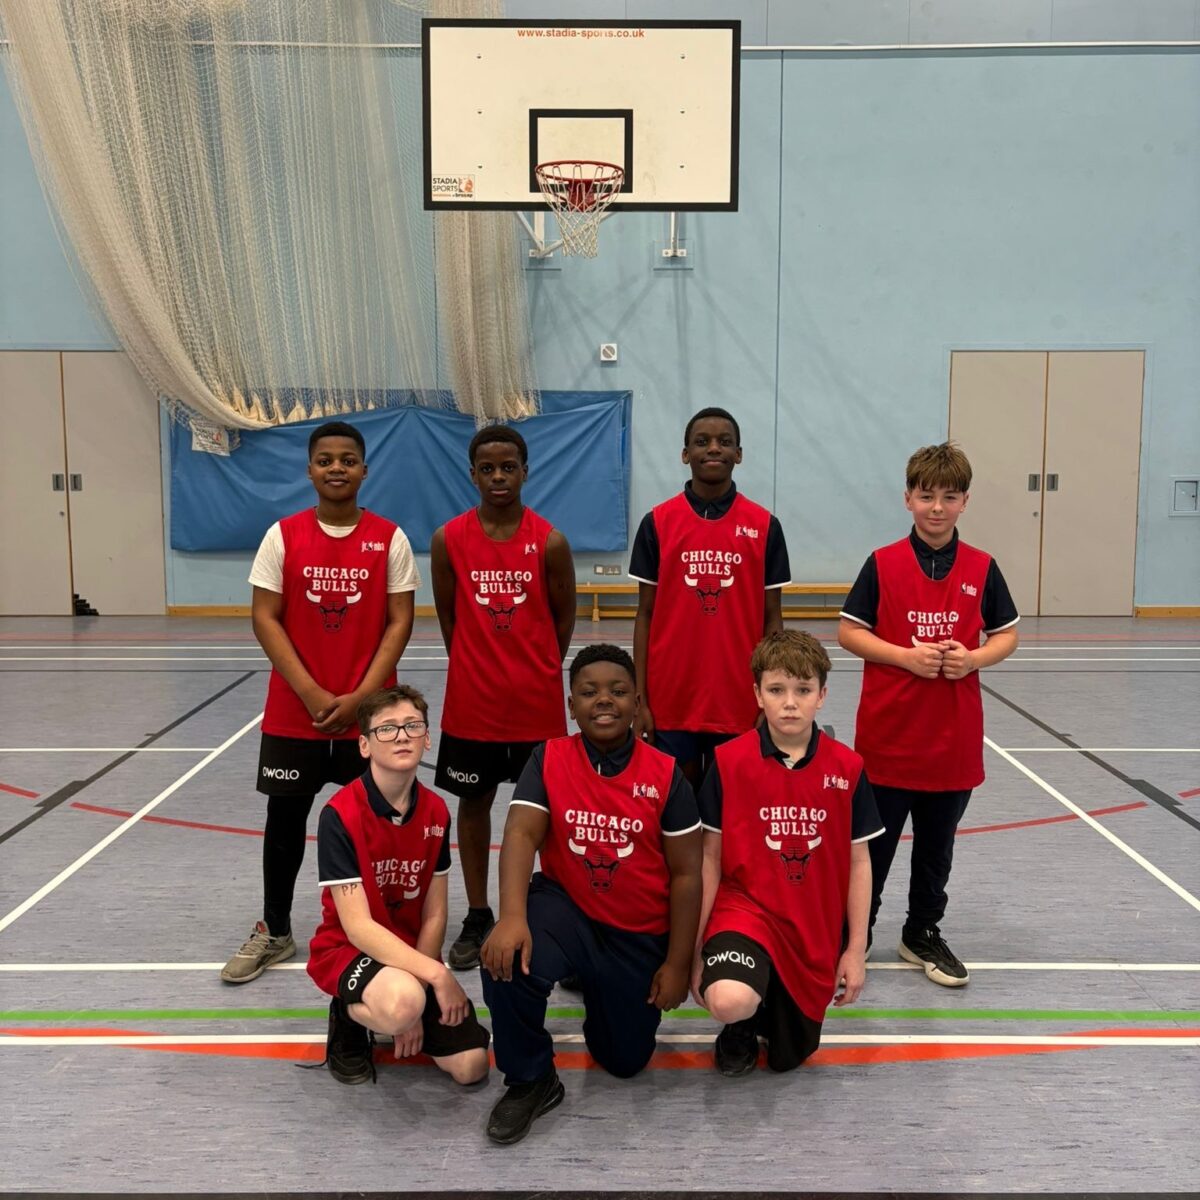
(658, 98)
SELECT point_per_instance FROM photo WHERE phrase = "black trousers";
(935, 818)
(616, 968)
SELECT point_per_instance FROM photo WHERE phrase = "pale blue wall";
(893, 207)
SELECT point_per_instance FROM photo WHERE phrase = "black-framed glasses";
(389, 732)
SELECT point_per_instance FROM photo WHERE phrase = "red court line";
(1095, 812)
(1189, 794)
(120, 812)
(581, 1060)
(16, 791)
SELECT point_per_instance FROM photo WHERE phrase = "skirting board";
(1166, 610)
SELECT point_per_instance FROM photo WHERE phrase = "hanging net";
(238, 184)
(579, 194)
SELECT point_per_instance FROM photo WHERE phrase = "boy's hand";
(318, 702)
(409, 1042)
(669, 987)
(957, 662)
(851, 976)
(643, 724)
(925, 658)
(509, 942)
(338, 714)
(452, 1000)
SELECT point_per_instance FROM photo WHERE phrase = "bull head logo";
(794, 858)
(709, 589)
(601, 862)
(332, 614)
(501, 610)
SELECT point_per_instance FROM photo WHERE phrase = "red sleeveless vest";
(785, 860)
(924, 734)
(334, 612)
(503, 629)
(396, 862)
(708, 616)
(605, 841)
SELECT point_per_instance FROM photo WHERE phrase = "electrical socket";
(606, 568)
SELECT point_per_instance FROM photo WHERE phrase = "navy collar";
(379, 805)
(710, 510)
(928, 557)
(770, 750)
(613, 762)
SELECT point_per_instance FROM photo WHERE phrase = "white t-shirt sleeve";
(403, 575)
(267, 571)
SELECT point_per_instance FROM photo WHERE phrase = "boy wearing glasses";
(383, 857)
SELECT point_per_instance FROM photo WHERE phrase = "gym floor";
(130, 849)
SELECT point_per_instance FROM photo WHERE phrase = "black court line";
(72, 789)
(1142, 786)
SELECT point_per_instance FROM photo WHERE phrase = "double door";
(1054, 440)
(81, 489)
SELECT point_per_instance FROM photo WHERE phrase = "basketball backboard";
(657, 98)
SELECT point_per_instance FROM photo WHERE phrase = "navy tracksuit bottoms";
(616, 969)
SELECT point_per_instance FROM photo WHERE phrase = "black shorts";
(467, 768)
(303, 766)
(439, 1040)
(685, 746)
(790, 1036)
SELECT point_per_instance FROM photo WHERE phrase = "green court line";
(856, 1014)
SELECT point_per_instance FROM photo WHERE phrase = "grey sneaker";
(258, 952)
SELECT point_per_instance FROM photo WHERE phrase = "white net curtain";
(240, 183)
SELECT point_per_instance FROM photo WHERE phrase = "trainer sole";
(931, 971)
(552, 1101)
(271, 961)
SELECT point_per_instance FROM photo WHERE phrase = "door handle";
(58, 483)
(1035, 483)
(1052, 483)
(77, 483)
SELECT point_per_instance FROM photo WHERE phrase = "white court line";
(125, 825)
(1143, 862)
(105, 749)
(1124, 967)
(1103, 749)
(828, 1039)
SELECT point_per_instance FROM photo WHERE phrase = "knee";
(471, 1066)
(624, 1064)
(400, 1008)
(729, 1001)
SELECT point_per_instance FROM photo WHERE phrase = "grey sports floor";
(1070, 1064)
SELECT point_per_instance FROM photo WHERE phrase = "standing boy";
(787, 813)
(332, 610)
(616, 902)
(383, 857)
(915, 615)
(504, 586)
(710, 567)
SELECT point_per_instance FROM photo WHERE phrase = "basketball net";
(579, 194)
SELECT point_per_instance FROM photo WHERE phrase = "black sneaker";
(736, 1051)
(464, 954)
(926, 948)
(521, 1105)
(348, 1047)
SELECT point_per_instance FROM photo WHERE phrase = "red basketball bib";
(396, 862)
(708, 616)
(503, 629)
(334, 613)
(605, 841)
(785, 860)
(924, 734)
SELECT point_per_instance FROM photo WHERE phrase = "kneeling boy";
(616, 902)
(383, 853)
(787, 813)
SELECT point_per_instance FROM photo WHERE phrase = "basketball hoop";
(579, 193)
